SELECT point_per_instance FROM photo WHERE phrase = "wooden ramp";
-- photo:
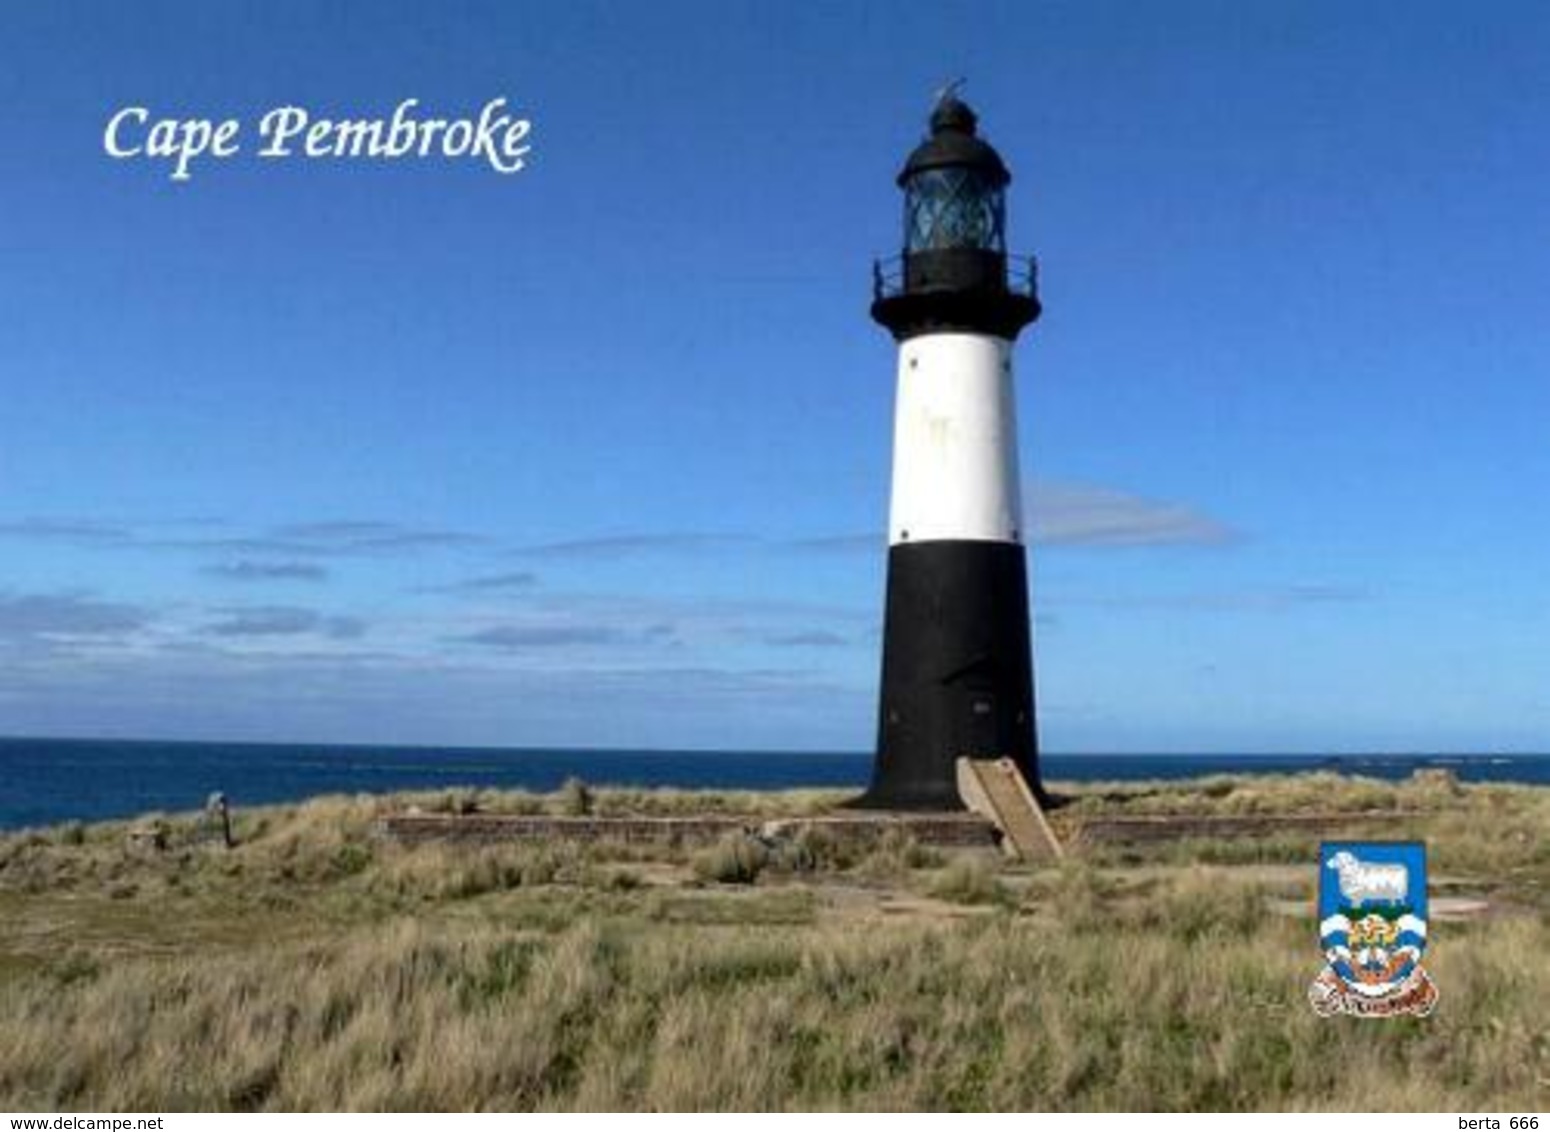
(996, 789)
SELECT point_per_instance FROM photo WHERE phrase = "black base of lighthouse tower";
(957, 675)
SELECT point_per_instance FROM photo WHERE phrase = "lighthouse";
(957, 671)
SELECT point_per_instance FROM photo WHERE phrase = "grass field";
(318, 967)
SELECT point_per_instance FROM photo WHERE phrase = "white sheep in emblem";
(1366, 880)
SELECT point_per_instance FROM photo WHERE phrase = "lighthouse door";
(981, 731)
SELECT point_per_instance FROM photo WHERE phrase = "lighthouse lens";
(953, 208)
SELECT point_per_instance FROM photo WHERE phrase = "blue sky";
(597, 454)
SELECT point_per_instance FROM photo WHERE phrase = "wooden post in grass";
(218, 810)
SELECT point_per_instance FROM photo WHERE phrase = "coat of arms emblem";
(1372, 926)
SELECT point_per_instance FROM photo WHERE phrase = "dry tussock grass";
(317, 968)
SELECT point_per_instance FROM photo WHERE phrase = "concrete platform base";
(1171, 827)
(963, 830)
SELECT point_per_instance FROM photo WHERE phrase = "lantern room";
(954, 187)
(954, 272)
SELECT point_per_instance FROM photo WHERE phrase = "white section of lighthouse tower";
(955, 467)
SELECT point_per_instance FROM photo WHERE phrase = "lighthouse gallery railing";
(1022, 276)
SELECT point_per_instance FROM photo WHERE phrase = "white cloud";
(1066, 513)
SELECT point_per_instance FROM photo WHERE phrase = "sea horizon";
(46, 780)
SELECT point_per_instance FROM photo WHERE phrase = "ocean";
(45, 781)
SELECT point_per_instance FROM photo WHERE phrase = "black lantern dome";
(954, 272)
